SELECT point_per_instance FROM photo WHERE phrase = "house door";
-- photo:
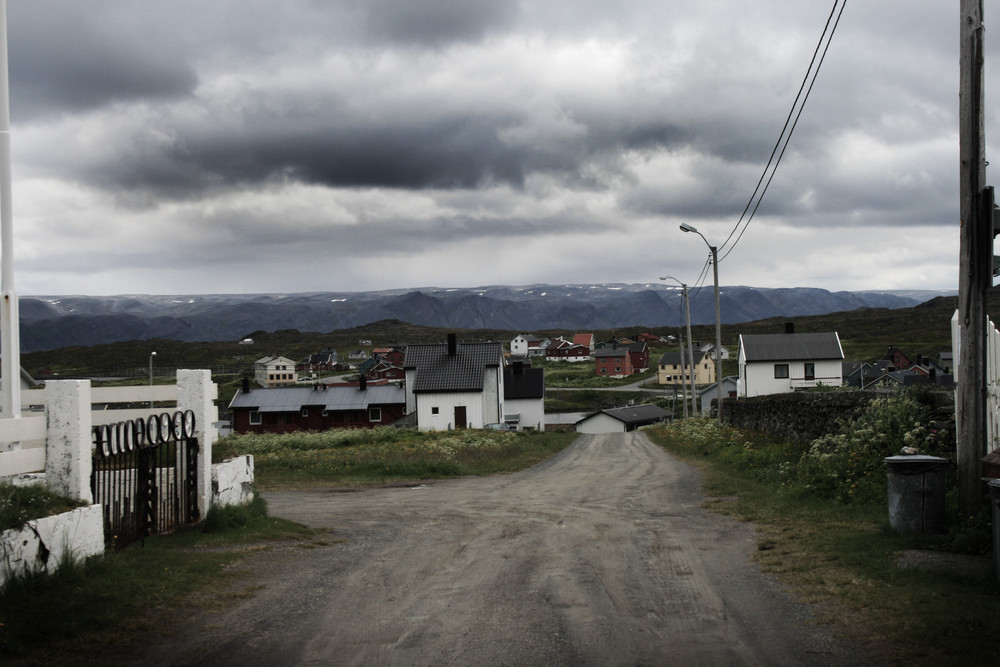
(460, 416)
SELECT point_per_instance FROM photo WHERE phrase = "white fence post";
(196, 392)
(68, 458)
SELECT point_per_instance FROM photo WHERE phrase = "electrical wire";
(787, 130)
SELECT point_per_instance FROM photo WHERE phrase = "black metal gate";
(145, 476)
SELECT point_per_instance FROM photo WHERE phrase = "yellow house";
(669, 369)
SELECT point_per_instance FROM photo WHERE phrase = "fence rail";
(22, 439)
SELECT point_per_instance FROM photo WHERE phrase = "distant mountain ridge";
(63, 321)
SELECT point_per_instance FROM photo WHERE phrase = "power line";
(789, 127)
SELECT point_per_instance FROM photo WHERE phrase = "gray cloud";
(568, 138)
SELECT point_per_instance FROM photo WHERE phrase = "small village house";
(454, 385)
(623, 420)
(316, 408)
(613, 361)
(780, 363)
(669, 369)
(275, 372)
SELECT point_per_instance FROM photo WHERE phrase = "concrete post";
(196, 392)
(68, 458)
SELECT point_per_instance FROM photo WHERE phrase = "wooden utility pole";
(975, 262)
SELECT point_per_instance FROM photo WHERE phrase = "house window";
(434, 411)
(304, 412)
(780, 371)
(810, 371)
(374, 414)
(254, 417)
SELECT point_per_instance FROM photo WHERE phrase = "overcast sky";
(184, 146)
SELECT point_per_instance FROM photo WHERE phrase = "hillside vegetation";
(866, 335)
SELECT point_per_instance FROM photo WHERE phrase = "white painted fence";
(992, 380)
(53, 435)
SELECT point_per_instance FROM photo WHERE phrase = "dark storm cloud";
(63, 60)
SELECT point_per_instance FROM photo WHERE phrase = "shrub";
(850, 464)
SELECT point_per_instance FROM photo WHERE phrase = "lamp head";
(685, 227)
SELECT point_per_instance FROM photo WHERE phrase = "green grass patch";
(361, 457)
(842, 554)
(20, 504)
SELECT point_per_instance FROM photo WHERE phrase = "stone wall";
(805, 416)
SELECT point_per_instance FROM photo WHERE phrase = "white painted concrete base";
(232, 481)
(43, 544)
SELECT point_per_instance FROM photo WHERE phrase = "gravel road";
(600, 556)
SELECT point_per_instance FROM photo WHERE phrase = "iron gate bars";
(145, 476)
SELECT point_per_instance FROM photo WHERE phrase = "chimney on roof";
(246, 385)
(362, 383)
(789, 327)
(452, 344)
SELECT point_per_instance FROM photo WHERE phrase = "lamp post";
(718, 318)
(690, 350)
(151, 355)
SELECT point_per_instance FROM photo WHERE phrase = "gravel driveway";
(600, 556)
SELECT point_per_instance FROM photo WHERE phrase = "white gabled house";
(781, 363)
(455, 385)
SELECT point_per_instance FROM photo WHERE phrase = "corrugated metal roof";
(791, 347)
(436, 370)
(293, 399)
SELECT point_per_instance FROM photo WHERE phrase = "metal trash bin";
(916, 493)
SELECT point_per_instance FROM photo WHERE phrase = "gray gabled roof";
(293, 399)
(436, 370)
(791, 347)
(635, 414)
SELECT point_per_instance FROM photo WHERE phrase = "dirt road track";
(599, 556)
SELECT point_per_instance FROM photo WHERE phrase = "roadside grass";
(101, 607)
(364, 457)
(843, 556)
(20, 504)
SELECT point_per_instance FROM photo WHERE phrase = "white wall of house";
(436, 411)
(757, 378)
(600, 423)
(519, 347)
(530, 410)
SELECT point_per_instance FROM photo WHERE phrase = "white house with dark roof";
(454, 385)
(781, 363)
(524, 397)
(623, 420)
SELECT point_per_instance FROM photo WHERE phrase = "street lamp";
(151, 355)
(718, 318)
(687, 312)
